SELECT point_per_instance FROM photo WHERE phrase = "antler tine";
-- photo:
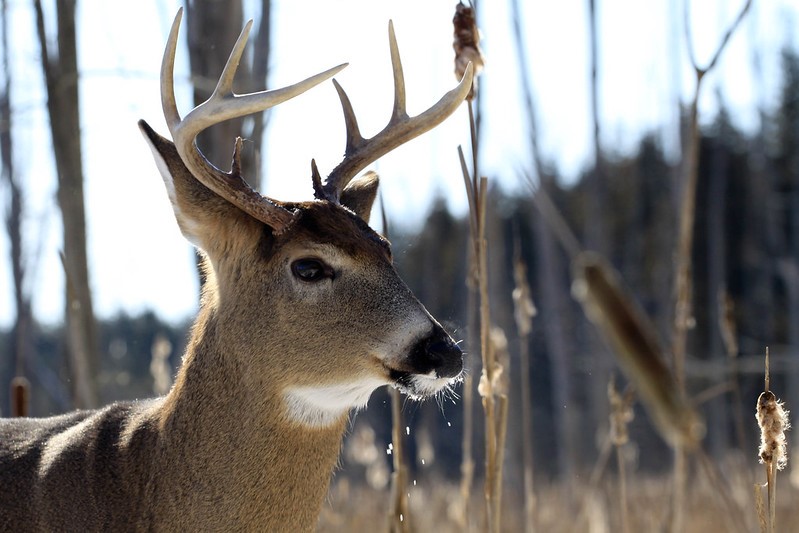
(400, 111)
(168, 103)
(354, 138)
(400, 129)
(223, 105)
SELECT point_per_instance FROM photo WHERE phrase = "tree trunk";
(21, 326)
(61, 77)
(213, 28)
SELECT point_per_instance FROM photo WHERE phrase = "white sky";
(138, 258)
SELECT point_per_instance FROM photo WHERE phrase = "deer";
(302, 317)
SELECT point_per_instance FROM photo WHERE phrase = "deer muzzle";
(434, 362)
(437, 355)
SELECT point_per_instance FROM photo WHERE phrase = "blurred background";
(588, 103)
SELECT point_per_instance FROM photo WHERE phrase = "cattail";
(773, 421)
(632, 335)
(772, 418)
(467, 44)
(20, 396)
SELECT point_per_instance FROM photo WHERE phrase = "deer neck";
(221, 430)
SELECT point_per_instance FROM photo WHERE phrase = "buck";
(302, 317)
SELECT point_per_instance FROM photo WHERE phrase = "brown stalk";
(398, 511)
(772, 418)
(621, 414)
(524, 311)
(683, 288)
(467, 463)
(467, 52)
(486, 387)
(494, 421)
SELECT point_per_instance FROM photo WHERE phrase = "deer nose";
(447, 358)
(437, 353)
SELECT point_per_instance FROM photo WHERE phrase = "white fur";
(427, 385)
(321, 406)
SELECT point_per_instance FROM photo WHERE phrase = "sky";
(138, 258)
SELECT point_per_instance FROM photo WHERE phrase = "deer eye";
(311, 270)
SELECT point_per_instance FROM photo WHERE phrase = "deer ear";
(360, 193)
(203, 216)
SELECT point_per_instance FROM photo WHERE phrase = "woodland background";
(626, 206)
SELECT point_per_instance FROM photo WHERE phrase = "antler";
(224, 105)
(361, 152)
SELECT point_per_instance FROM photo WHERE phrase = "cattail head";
(632, 335)
(773, 421)
(500, 359)
(466, 44)
(20, 396)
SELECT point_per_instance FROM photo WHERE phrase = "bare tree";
(60, 67)
(21, 327)
(211, 21)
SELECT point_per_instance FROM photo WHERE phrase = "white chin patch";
(319, 407)
(421, 386)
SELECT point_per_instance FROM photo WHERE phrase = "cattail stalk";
(398, 509)
(683, 285)
(772, 418)
(467, 50)
(494, 402)
(398, 513)
(730, 337)
(524, 311)
(621, 414)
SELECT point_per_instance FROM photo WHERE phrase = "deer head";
(302, 297)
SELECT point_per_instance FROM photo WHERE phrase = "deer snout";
(437, 353)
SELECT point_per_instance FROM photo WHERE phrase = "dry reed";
(524, 311)
(683, 286)
(621, 414)
(466, 44)
(772, 418)
(730, 337)
(495, 401)
(398, 518)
